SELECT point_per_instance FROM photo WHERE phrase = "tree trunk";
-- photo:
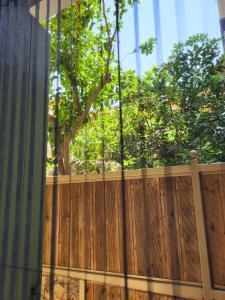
(64, 157)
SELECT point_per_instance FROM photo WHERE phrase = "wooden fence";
(164, 237)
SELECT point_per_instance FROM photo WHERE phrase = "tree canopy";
(86, 39)
(182, 108)
(174, 108)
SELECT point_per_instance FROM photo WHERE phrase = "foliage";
(176, 107)
(82, 63)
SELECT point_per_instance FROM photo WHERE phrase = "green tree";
(182, 108)
(87, 43)
(183, 103)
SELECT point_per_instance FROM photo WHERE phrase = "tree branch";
(51, 119)
(91, 99)
(105, 18)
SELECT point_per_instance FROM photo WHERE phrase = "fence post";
(82, 289)
(200, 223)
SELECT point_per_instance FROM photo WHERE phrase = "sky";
(178, 20)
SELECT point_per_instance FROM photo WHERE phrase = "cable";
(125, 261)
(44, 150)
(56, 152)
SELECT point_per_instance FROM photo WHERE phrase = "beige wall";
(53, 7)
(222, 8)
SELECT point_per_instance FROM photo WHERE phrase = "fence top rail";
(136, 174)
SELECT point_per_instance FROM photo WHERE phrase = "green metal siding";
(23, 109)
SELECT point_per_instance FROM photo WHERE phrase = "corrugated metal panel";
(23, 109)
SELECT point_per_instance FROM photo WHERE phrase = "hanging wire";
(70, 170)
(56, 160)
(44, 152)
(102, 5)
(138, 73)
(143, 162)
(125, 261)
(103, 145)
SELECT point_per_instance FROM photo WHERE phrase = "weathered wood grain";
(64, 225)
(114, 233)
(172, 264)
(214, 199)
(76, 249)
(106, 292)
(190, 260)
(47, 225)
(155, 252)
(99, 226)
(155, 222)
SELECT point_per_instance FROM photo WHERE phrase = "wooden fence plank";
(188, 233)
(90, 291)
(113, 227)
(214, 225)
(201, 228)
(55, 226)
(75, 246)
(47, 225)
(82, 224)
(139, 223)
(99, 226)
(178, 231)
(142, 296)
(113, 293)
(161, 238)
(155, 251)
(172, 266)
(64, 221)
(88, 226)
(129, 224)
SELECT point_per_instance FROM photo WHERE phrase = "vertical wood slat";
(82, 290)
(88, 226)
(190, 259)
(155, 256)
(47, 225)
(178, 228)
(114, 293)
(90, 291)
(222, 202)
(201, 231)
(214, 199)
(64, 227)
(76, 250)
(53, 206)
(172, 264)
(128, 222)
(99, 227)
(113, 227)
(153, 228)
(139, 218)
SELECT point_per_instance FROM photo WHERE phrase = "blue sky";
(194, 16)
